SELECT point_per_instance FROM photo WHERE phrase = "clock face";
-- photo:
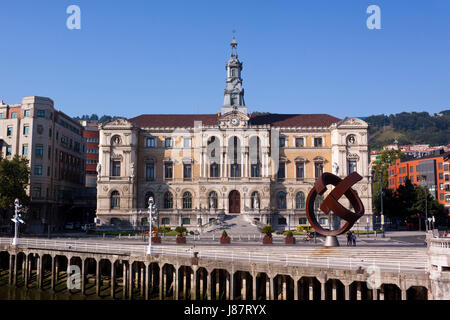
(234, 121)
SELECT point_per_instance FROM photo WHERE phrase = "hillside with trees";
(409, 128)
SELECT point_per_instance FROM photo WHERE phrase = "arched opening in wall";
(46, 271)
(169, 281)
(168, 200)
(417, 293)
(309, 288)
(90, 265)
(283, 287)
(360, 291)
(202, 278)
(115, 222)
(234, 157)
(185, 283)
(220, 285)
(20, 269)
(262, 287)
(105, 280)
(255, 200)
(4, 267)
(242, 285)
(300, 200)
(234, 202)
(154, 280)
(334, 290)
(390, 291)
(187, 201)
(76, 263)
(213, 156)
(61, 264)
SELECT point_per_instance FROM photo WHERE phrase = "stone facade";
(54, 145)
(201, 166)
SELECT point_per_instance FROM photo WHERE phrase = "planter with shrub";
(289, 239)
(267, 230)
(224, 239)
(180, 234)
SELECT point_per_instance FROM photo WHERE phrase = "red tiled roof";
(274, 119)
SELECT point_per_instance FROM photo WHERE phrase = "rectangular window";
(186, 221)
(41, 113)
(38, 170)
(168, 142)
(255, 170)
(235, 170)
(317, 142)
(440, 165)
(13, 115)
(300, 170)
(187, 171)
(441, 176)
(282, 142)
(115, 165)
(168, 170)
(418, 178)
(27, 113)
(48, 171)
(49, 153)
(150, 143)
(25, 149)
(411, 169)
(8, 150)
(441, 186)
(281, 170)
(9, 131)
(318, 169)
(49, 132)
(299, 142)
(39, 151)
(446, 177)
(150, 171)
(187, 142)
(165, 221)
(446, 167)
(214, 170)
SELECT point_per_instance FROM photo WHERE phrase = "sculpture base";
(331, 241)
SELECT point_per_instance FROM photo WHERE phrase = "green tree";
(14, 177)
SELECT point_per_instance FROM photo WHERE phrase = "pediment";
(117, 123)
(234, 119)
(352, 123)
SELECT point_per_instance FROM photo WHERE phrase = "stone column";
(232, 285)
(217, 295)
(11, 268)
(268, 289)
(175, 283)
(26, 270)
(39, 271)
(113, 279)
(98, 277)
(403, 294)
(142, 281)
(374, 294)
(322, 289)
(56, 269)
(208, 285)
(16, 262)
(185, 281)
(83, 276)
(194, 284)
(130, 280)
(244, 287)
(161, 284)
(147, 282)
(124, 280)
(347, 291)
(254, 286)
(284, 288)
(296, 289)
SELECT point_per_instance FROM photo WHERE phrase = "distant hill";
(409, 128)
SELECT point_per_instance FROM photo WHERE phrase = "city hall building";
(200, 167)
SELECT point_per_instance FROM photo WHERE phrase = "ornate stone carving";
(105, 188)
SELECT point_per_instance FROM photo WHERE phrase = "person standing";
(354, 240)
(349, 238)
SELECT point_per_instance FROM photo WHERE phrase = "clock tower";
(234, 93)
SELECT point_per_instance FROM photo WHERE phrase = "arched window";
(147, 196)
(168, 200)
(234, 156)
(187, 200)
(212, 200)
(255, 204)
(115, 200)
(213, 156)
(300, 200)
(318, 202)
(281, 200)
(255, 156)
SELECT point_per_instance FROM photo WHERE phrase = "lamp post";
(17, 219)
(151, 207)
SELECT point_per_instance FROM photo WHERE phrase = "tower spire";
(234, 93)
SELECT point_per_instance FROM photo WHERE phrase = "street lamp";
(17, 219)
(151, 207)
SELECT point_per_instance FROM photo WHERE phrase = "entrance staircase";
(233, 224)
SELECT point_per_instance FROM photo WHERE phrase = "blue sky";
(134, 57)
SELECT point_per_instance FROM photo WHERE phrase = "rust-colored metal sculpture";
(331, 202)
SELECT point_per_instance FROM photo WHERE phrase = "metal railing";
(348, 263)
